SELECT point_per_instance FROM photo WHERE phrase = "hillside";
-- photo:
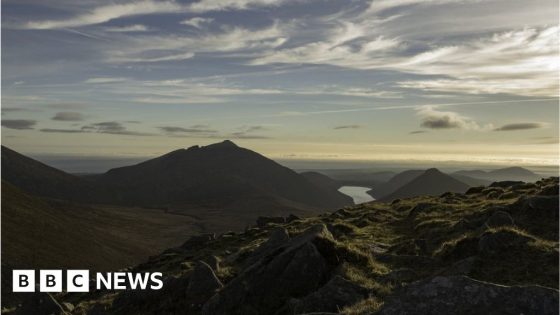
(40, 179)
(321, 180)
(218, 175)
(396, 182)
(431, 182)
(502, 174)
(493, 250)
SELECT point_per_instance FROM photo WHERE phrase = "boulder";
(419, 208)
(499, 218)
(501, 240)
(400, 275)
(475, 190)
(293, 270)
(463, 295)
(203, 283)
(332, 297)
(549, 190)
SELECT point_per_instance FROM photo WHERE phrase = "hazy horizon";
(471, 82)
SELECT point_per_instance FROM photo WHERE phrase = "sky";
(366, 80)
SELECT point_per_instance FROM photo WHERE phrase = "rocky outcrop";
(332, 297)
(462, 295)
(499, 218)
(203, 283)
(293, 270)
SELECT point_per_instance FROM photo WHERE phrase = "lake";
(359, 194)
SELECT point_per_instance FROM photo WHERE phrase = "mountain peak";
(223, 144)
(433, 171)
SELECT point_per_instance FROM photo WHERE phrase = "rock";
(277, 238)
(400, 275)
(549, 190)
(292, 218)
(263, 221)
(332, 297)
(475, 190)
(506, 183)
(540, 203)
(213, 262)
(294, 269)
(462, 295)
(499, 218)
(462, 267)
(501, 240)
(40, 303)
(419, 208)
(203, 283)
(69, 307)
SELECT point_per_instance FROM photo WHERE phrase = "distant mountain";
(218, 175)
(471, 181)
(431, 182)
(40, 179)
(358, 177)
(321, 180)
(397, 181)
(509, 173)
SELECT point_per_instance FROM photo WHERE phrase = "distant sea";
(94, 165)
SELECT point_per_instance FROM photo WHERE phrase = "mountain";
(218, 175)
(431, 182)
(510, 173)
(321, 180)
(397, 181)
(358, 177)
(471, 181)
(485, 252)
(39, 179)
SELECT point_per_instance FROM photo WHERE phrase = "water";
(359, 194)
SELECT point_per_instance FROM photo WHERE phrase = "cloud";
(415, 132)
(109, 12)
(521, 126)
(106, 127)
(193, 129)
(434, 119)
(68, 116)
(54, 130)
(347, 127)
(197, 21)
(157, 48)
(378, 6)
(102, 80)
(248, 132)
(127, 28)
(19, 124)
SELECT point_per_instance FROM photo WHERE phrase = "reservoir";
(359, 194)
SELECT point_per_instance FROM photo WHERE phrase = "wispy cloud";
(197, 22)
(18, 124)
(127, 28)
(196, 129)
(347, 127)
(521, 126)
(415, 132)
(68, 116)
(107, 13)
(106, 127)
(102, 80)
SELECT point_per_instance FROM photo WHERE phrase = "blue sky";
(439, 80)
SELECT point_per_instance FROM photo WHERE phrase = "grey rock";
(501, 240)
(419, 208)
(203, 283)
(294, 269)
(462, 295)
(499, 218)
(333, 296)
(400, 275)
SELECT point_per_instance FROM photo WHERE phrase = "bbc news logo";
(79, 281)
